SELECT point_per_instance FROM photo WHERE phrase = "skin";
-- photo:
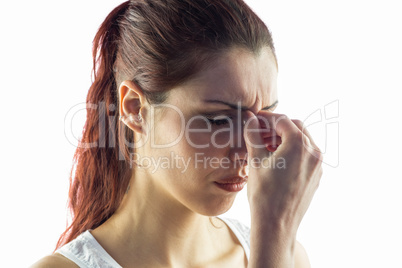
(164, 219)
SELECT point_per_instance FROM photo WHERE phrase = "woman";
(180, 118)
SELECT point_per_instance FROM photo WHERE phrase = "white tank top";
(86, 252)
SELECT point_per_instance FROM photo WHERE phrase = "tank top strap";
(86, 252)
(241, 231)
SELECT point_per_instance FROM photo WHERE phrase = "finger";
(253, 137)
(272, 143)
(309, 141)
(271, 138)
(280, 125)
(303, 129)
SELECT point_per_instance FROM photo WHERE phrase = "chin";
(216, 208)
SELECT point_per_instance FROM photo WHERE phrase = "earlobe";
(132, 101)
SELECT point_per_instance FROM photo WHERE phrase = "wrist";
(274, 229)
(276, 220)
(272, 242)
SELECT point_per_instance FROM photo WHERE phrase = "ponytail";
(98, 185)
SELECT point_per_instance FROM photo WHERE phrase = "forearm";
(279, 197)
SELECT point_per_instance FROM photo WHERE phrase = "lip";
(234, 184)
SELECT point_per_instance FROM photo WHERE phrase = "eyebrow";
(244, 108)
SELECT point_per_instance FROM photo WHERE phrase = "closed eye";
(219, 120)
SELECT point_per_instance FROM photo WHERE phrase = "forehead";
(236, 76)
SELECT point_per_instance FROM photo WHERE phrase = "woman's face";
(197, 136)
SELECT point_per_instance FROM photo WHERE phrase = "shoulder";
(239, 229)
(54, 261)
(301, 258)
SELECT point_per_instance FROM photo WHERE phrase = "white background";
(348, 53)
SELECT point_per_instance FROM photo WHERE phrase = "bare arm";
(279, 197)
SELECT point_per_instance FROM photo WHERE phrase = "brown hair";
(157, 44)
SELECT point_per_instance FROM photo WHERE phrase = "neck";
(176, 235)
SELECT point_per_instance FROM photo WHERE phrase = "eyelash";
(219, 122)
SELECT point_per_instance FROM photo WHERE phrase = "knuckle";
(297, 141)
(320, 172)
(297, 135)
(298, 138)
(283, 117)
(318, 155)
(298, 122)
(315, 152)
(313, 159)
(317, 185)
(317, 164)
(280, 117)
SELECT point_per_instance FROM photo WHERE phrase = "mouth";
(234, 184)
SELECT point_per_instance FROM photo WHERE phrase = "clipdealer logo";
(325, 123)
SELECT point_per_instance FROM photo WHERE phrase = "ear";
(132, 105)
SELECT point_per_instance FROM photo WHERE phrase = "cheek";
(173, 135)
(223, 137)
(214, 137)
(197, 140)
(168, 130)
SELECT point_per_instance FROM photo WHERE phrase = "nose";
(238, 150)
